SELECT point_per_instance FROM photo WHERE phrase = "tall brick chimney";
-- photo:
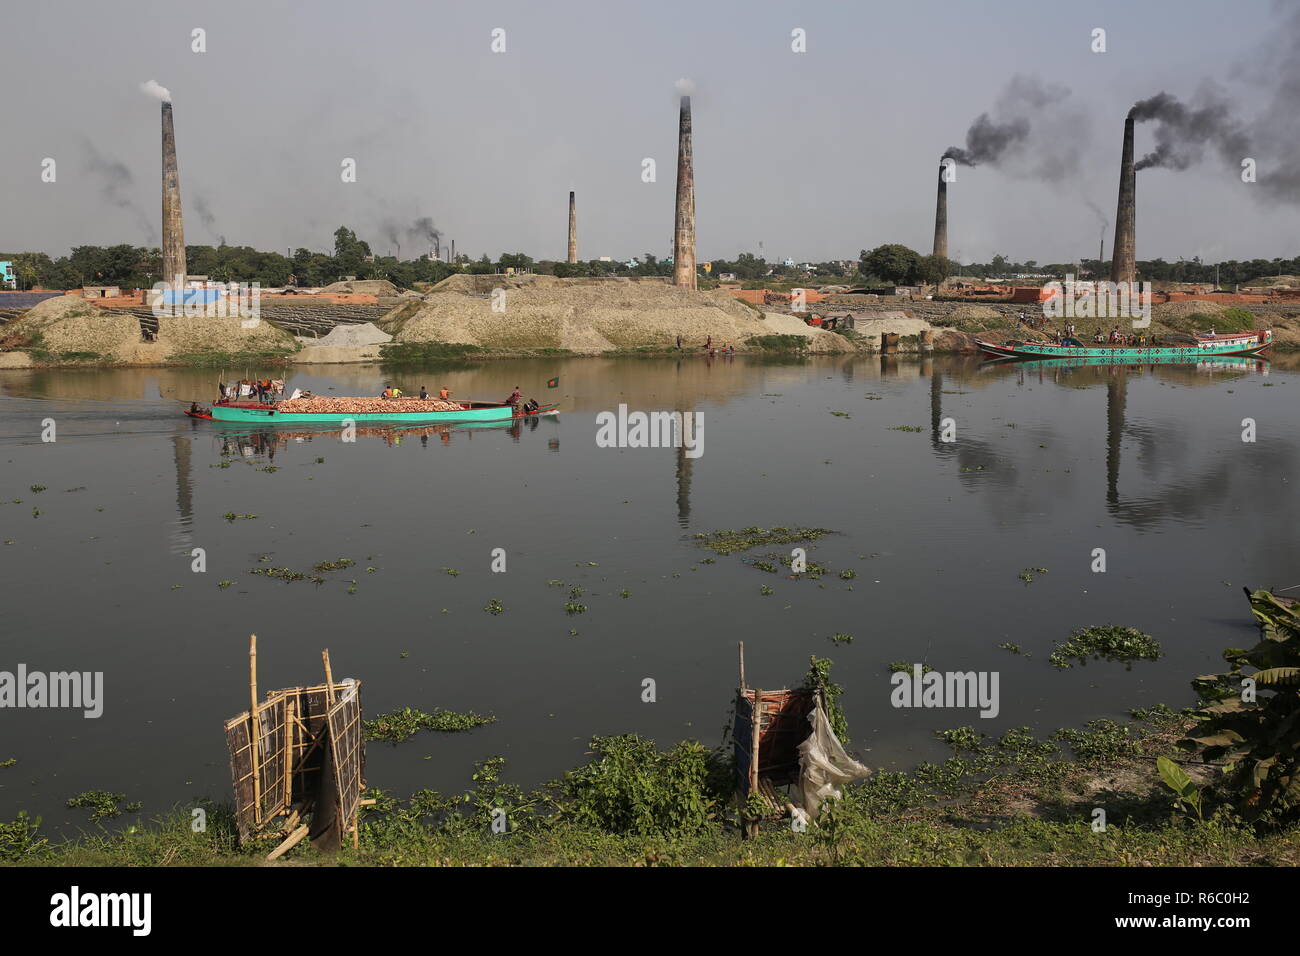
(173, 232)
(1123, 263)
(941, 216)
(684, 223)
(573, 229)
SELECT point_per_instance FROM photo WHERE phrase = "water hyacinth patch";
(1105, 642)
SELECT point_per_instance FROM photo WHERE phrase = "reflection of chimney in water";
(181, 453)
(685, 464)
(173, 232)
(1116, 398)
(1123, 266)
(684, 219)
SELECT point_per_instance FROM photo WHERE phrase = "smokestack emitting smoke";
(173, 231)
(941, 215)
(1123, 264)
(684, 222)
(573, 228)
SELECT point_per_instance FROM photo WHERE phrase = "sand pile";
(68, 326)
(189, 335)
(351, 337)
(1185, 308)
(974, 312)
(381, 287)
(578, 315)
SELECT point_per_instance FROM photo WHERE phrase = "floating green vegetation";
(906, 428)
(232, 516)
(336, 565)
(38, 488)
(451, 571)
(905, 667)
(1009, 646)
(571, 607)
(848, 574)
(555, 583)
(8, 763)
(841, 638)
(729, 542)
(841, 414)
(494, 607)
(625, 593)
(1105, 642)
(405, 723)
(577, 592)
(287, 574)
(1027, 575)
(102, 804)
(320, 461)
(764, 566)
(222, 585)
(967, 469)
(765, 590)
(872, 397)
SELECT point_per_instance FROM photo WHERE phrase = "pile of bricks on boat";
(324, 405)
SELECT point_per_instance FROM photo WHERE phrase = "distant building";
(8, 278)
(100, 292)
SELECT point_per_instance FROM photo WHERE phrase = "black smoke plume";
(1183, 131)
(1033, 129)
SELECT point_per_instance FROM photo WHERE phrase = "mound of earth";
(68, 327)
(1186, 308)
(519, 313)
(380, 287)
(974, 312)
(351, 337)
(190, 335)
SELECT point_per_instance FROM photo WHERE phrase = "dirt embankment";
(584, 316)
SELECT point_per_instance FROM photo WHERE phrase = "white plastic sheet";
(824, 764)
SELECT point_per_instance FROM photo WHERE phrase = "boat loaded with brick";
(1174, 349)
(326, 410)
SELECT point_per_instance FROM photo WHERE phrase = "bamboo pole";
(289, 709)
(290, 842)
(742, 665)
(253, 729)
(329, 676)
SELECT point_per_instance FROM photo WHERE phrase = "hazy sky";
(815, 154)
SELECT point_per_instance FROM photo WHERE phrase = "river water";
(1046, 466)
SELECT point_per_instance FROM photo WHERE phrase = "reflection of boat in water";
(1187, 349)
(1226, 363)
(249, 442)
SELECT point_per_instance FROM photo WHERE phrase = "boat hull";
(1245, 344)
(477, 412)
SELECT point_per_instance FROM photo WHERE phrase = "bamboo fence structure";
(298, 753)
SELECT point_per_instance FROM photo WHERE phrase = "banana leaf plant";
(1254, 728)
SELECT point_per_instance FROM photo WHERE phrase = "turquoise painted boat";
(1195, 349)
(251, 413)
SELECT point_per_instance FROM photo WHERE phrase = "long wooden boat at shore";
(403, 411)
(1196, 349)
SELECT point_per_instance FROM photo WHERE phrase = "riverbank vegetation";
(1212, 786)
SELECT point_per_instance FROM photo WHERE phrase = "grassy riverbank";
(1013, 801)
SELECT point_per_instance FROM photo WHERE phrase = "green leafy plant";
(1105, 642)
(1187, 794)
(1255, 729)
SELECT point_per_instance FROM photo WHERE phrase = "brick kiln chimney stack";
(173, 233)
(573, 229)
(684, 224)
(1123, 264)
(941, 215)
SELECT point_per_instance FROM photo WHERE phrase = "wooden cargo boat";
(404, 412)
(1196, 349)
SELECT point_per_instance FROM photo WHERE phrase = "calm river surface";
(1047, 466)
